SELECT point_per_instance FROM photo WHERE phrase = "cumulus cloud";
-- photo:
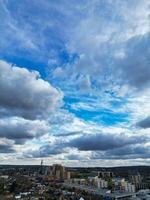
(24, 93)
(6, 146)
(95, 146)
(45, 151)
(20, 130)
(98, 38)
(135, 66)
(95, 142)
(26, 102)
(127, 152)
(145, 123)
(6, 149)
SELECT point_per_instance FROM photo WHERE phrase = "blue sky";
(72, 72)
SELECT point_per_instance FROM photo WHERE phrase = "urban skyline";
(75, 82)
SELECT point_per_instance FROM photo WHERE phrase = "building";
(67, 175)
(136, 178)
(123, 185)
(104, 174)
(58, 171)
(101, 183)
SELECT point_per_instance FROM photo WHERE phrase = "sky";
(75, 82)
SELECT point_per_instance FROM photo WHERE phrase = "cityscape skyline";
(75, 82)
(58, 182)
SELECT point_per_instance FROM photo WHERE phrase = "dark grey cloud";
(145, 123)
(103, 146)
(50, 150)
(24, 93)
(73, 133)
(46, 151)
(135, 67)
(20, 130)
(6, 148)
(104, 142)
(127, 152)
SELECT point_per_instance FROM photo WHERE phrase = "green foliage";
(83, 175)
(1, 186)
(110, 184)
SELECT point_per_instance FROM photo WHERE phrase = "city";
(57, 182)
(74, 99)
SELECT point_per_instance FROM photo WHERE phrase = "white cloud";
(24, 93)
(26, 103)
(20, 130)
